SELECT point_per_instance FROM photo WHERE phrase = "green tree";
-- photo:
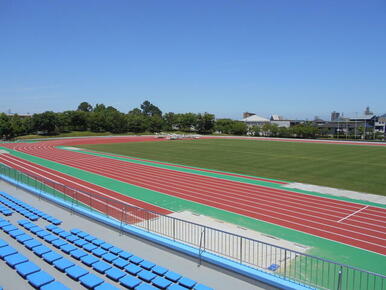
(170, 121)
(223, 126)
(150, 110)
(84, 107)
(187, 122)
(46, 122)
(205, 123)
(239, 128)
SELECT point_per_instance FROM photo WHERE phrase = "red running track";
(349, 223)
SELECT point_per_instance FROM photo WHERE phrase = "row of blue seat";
(25, 209)
(38, 278)
(122, 261)
(134, 277)
(5, 210)
(55, 259)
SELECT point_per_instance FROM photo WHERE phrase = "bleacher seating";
(24, 209)
(57, 247)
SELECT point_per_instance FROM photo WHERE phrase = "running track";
(349, 223)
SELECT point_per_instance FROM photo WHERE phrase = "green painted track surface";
(320, 247)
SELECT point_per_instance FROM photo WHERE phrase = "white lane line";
(359, 210)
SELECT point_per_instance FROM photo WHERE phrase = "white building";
(255, 120)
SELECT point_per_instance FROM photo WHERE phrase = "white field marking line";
(21, 161)
(124, 178)
(29, 170)
(359, 210)
(252, 195)
(204, 198)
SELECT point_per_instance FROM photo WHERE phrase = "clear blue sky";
(293, 58)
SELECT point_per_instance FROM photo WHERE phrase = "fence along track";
(291, 265)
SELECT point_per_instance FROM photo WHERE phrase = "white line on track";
(355, 212)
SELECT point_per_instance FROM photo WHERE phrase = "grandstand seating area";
(84, 258)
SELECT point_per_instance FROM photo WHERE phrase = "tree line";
(101, 118)
(146, 118)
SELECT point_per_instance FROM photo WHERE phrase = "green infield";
(352, 167)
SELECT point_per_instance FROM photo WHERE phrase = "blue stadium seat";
(161, 282)
(175, 287)
(72, 238)
(75, 272)
(63, 264)
(16, 233)
(15, 259)
(144, 286)
(24, 269)
(78, 254)
(6, 251)
(67, 248)
(146, 276)
(80, 242)
(99, 252)
(90, 238)
(89, 260)
(160, 271)
(41, 250)
(75, 231)
(130, 282)
(108, 257)
(115, 274)
(3, 243)
(58, 243)
(135, 259)
(32, 244)
(42, 234)
(106, 246)
(120, 263)
(147, 265)
(133, 269)
(51, 257)
(106, 286)
(50, 238)
(172, 276)
(125, 255)
(115, 250)
(56, 285)
(39, 279)
(89, 247)
(90, 281)
(23, 238)
(101, 267)
(97, 242)
(186, 282)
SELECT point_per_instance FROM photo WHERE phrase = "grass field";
(358, 168)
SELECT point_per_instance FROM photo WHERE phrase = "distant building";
(335, 116)
(380, 125)
(254, 120)
(247, 114)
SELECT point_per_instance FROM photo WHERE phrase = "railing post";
(340, 278)
(285, 263)
(241, 250)
(174, 229)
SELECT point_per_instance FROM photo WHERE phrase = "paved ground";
(207, 274)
